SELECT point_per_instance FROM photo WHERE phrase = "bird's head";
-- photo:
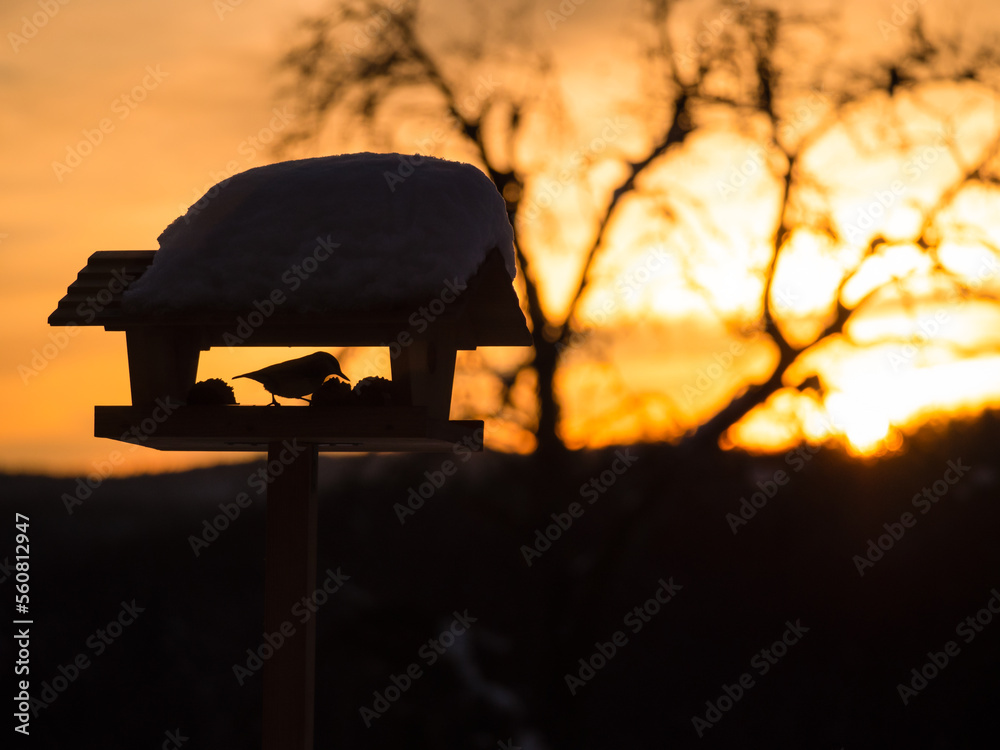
(331, 365)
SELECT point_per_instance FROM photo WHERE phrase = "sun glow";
(863, 424)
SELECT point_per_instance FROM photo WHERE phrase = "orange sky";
(212, 93)
(204, 74)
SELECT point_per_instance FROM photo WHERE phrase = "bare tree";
(768, 79)
(385, 69)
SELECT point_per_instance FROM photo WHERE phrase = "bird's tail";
(240, 376)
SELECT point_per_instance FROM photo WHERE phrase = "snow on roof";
(357, 231)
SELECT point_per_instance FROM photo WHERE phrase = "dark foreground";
(631, 629)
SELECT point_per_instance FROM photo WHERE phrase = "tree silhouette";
(755, 73)
(730, 125)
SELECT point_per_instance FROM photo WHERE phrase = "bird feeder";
(164, 340)
(163, 358)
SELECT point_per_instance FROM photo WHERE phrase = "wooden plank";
(106, 270)
(243, 428)
(290, 577)
(116, 256)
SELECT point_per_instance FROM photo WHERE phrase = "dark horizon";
(712, 605)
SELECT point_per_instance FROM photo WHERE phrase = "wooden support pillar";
(162, 363)
(290, 575)
(425, 370)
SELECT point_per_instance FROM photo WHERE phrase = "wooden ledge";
(252, 428)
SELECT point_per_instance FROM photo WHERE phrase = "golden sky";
(118, 115)
(207, 102)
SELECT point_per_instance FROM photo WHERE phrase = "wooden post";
(162, 362)
(425, 370)
(290, 575)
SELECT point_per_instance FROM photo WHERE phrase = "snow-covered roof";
(356, 231)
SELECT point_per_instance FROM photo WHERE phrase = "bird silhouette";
(297, 377)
